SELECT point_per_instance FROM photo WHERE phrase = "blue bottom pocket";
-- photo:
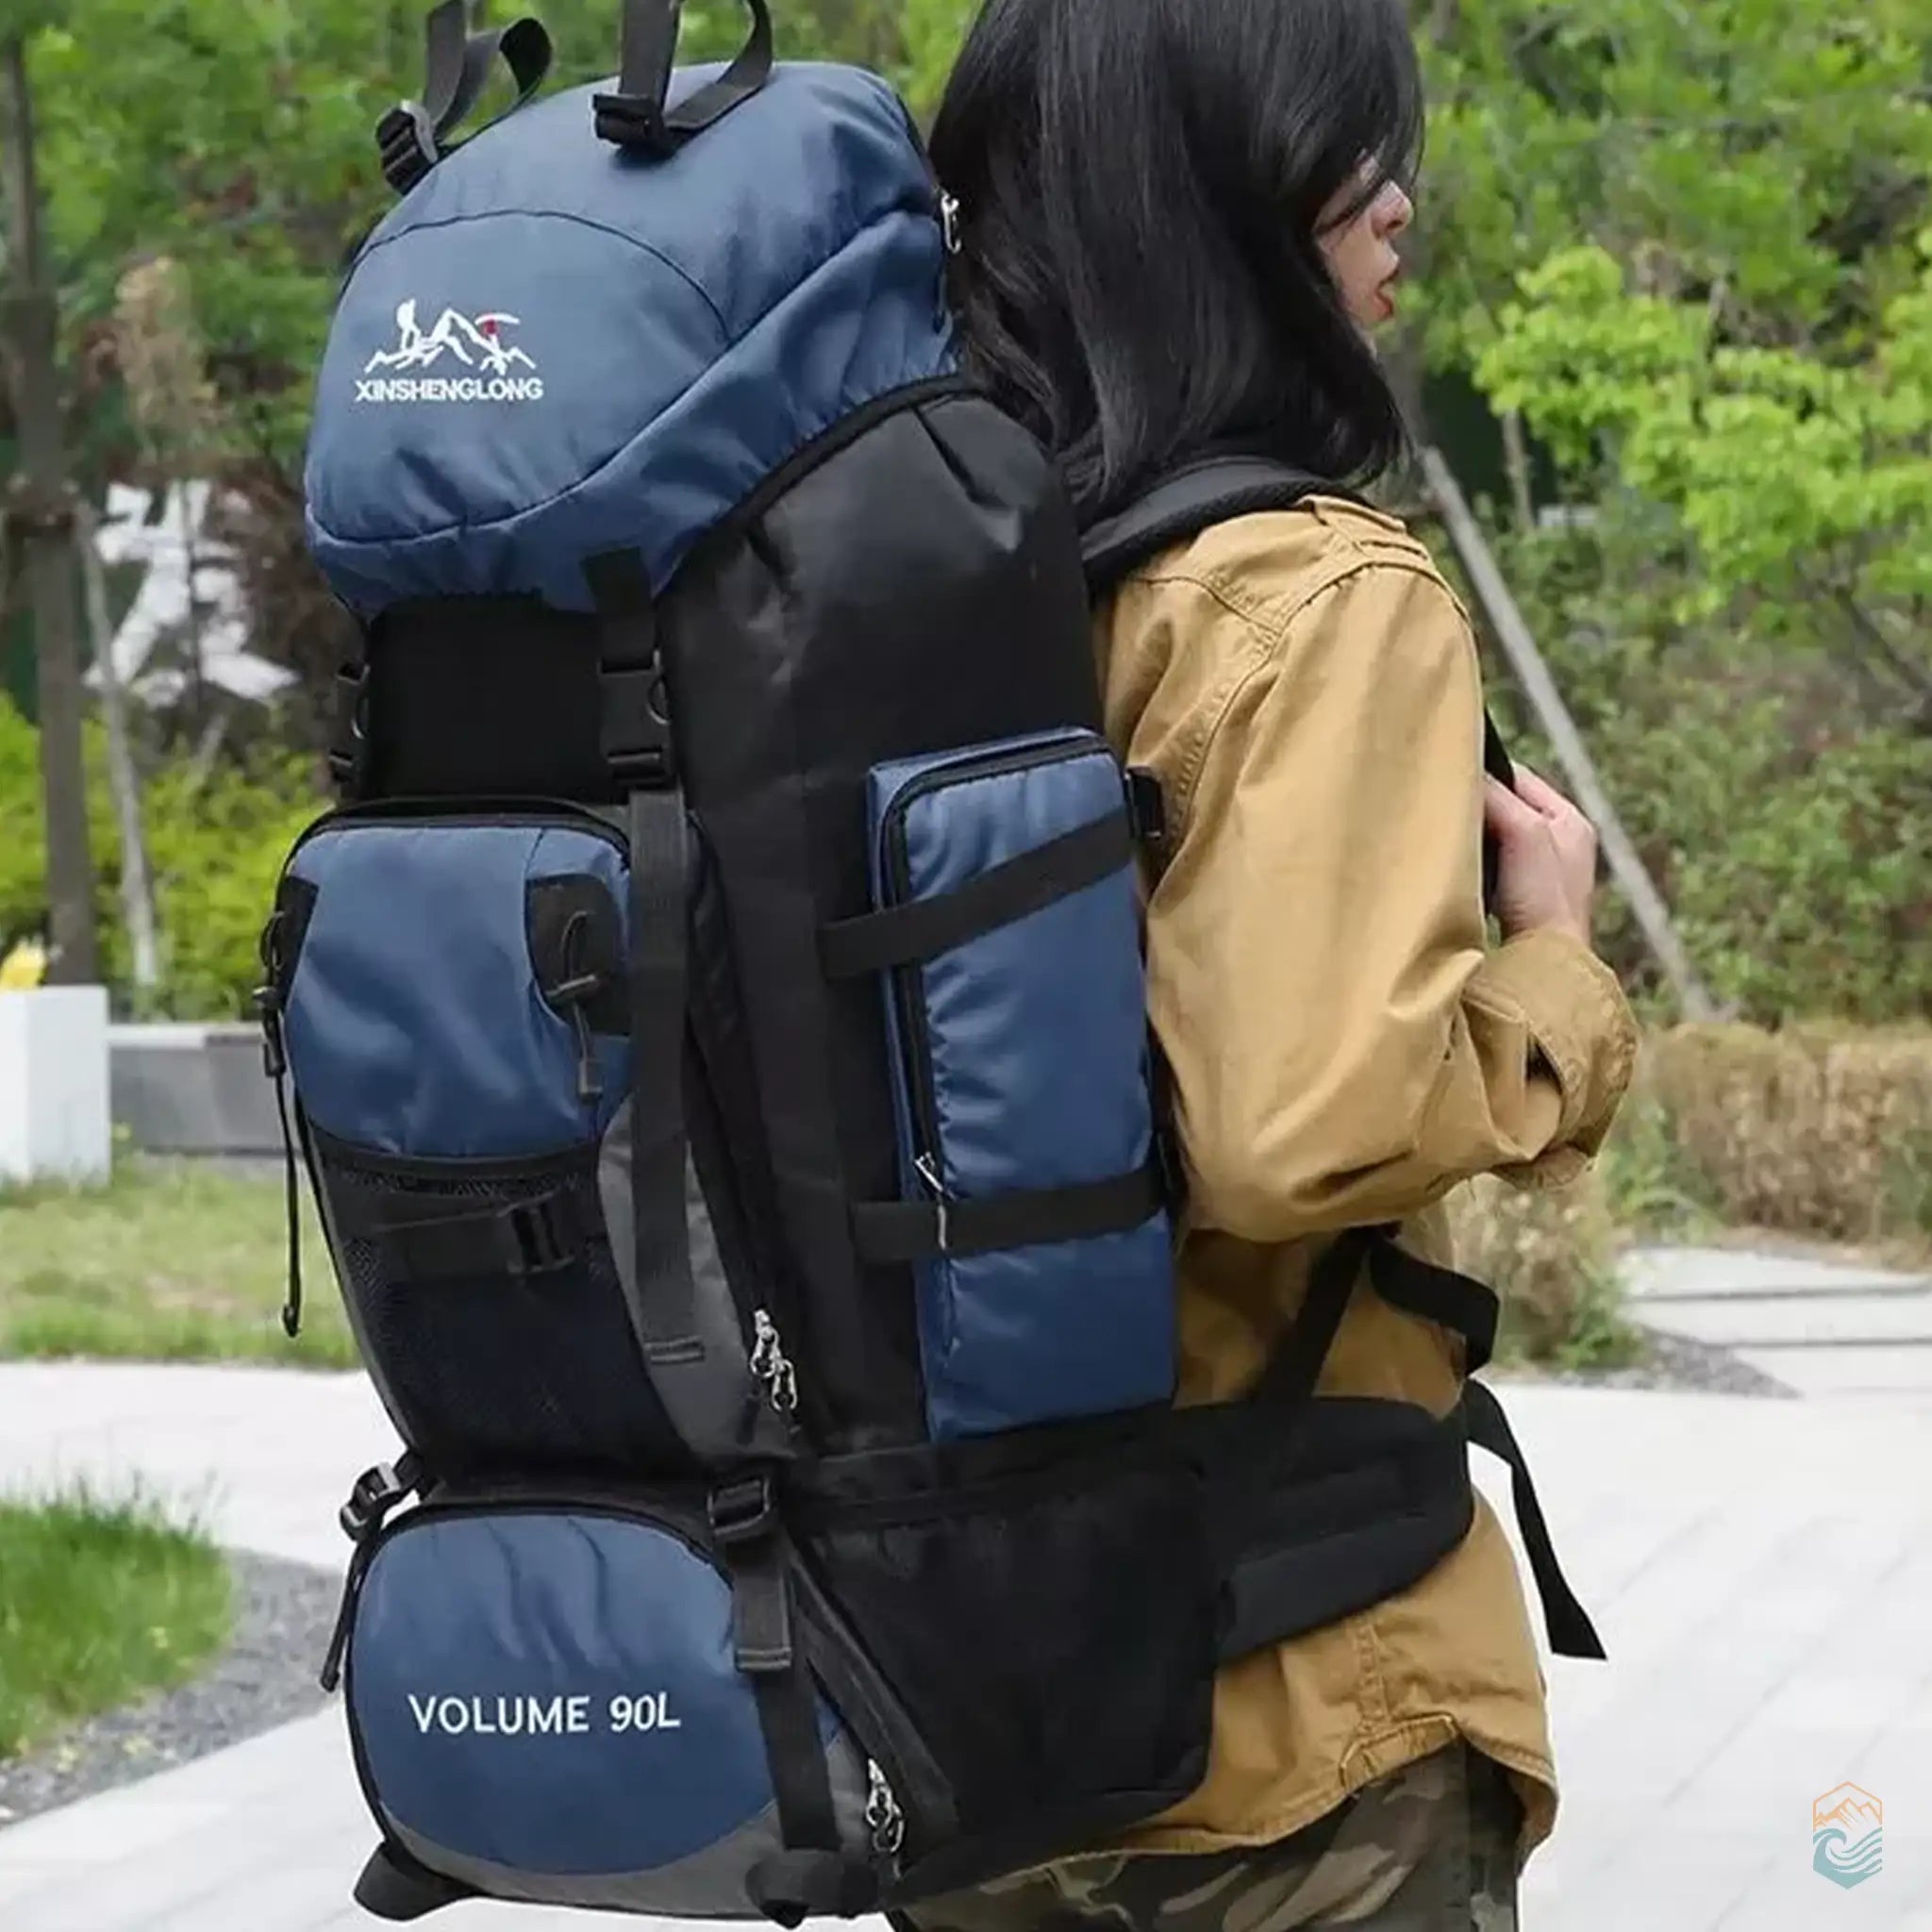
(545, 1706)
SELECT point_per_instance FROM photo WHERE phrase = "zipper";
(928, 1160)
(883, 1813)
(770, 1365)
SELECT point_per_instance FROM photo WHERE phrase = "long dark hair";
(1141, 187)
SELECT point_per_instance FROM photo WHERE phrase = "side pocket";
(1049, 1627)
(1018, 1039)
(493, 1303)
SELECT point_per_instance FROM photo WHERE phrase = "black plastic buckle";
(538, 1237)
(1147, 808)
(406, 140)
(743, 1512)
(349, 746)
(638, 746)
(275, 1052)
(634, 121)
(377, 1492)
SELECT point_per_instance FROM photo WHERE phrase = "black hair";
(1142, 185)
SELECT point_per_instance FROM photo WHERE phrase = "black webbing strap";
(1285, 1389)
(413, 136)
(457, 1238)
(925, 928)
(639, 751)
(660, 870)
(1570, 1632)
(744, 1530)
(636, 115)
(1440, 1295)
(886, 1232)
(789, 1888)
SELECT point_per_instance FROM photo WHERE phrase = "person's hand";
(1546, 858)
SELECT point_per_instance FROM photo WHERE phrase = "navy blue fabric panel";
(555, 1694)
(415, 1024)
(1037, 1038)
(598, 351)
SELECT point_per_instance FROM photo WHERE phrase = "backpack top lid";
(554, 347)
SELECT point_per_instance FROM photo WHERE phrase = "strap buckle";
(348, 751)
(537, 1237)
(377, 1492)
(637, 726)
(405, 140)
(741, 1513)
(634, 121)
(1147, 808)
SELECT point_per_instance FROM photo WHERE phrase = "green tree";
(1688, 245)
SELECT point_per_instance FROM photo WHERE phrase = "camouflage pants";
(1431, 1849)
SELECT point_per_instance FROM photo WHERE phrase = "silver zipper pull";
(949, 222)
(882, 1812)
(926, 1168)
(770, 1365)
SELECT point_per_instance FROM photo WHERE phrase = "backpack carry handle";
(635, 117)
(413, 136)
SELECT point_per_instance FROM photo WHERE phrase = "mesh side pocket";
(499, 1359)
(1050, 1632)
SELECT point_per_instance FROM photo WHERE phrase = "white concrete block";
(54, 1108)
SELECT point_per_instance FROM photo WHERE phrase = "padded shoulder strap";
(1195, 498)
(1192, 499)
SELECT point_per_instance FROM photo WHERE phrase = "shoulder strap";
(1211, 490)
(1186, 501)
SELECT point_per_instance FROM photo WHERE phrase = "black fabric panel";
(934, 552)
(484, 696)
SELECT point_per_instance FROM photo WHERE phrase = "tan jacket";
(1345, 1049)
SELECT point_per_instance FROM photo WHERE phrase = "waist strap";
(1318, 1523)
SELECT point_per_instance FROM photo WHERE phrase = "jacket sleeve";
(1343, 1044)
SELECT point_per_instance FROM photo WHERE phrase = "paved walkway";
(1761, 1571)
(1817, 1326)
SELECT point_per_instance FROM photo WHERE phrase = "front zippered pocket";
(926, 1158)
(595, 1631)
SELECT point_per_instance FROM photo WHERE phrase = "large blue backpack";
(714, 1017)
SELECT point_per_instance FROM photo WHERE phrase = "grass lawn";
(170, 1262)
(102, 1603)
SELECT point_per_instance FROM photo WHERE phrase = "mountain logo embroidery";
(476, 342)
(1846, 1835)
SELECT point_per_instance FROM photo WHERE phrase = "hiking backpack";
(713, 1024)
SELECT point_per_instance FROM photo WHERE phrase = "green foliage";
(216, 841)
(1790, 832)
(172, 1262)
(1688, 243)
(104, 1600)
